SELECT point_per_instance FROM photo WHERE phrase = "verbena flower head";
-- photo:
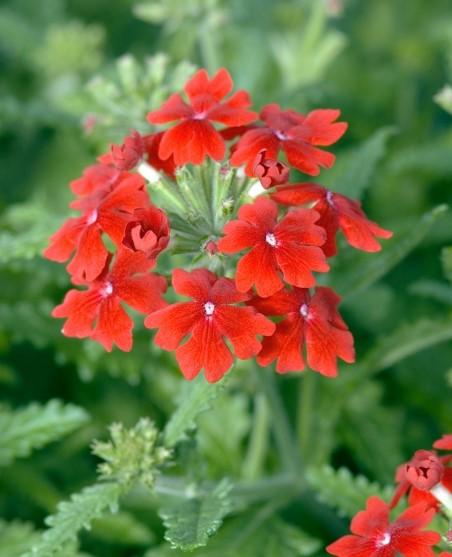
(242, 271)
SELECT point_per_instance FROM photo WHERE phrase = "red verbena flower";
(127, 155)
(107, 210)
(148, 231)
(294, 133)
(290, 247)
(269, 171)
(336, 211)
(445, 443)
(95, 177)
(375, 536)
(97, 312)
(207, 321)
(310, 322)
(195, 137)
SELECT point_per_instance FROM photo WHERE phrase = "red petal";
(64, 241)
(373, 520)
(299, 226)
(299, 194)
(353, 546)
(80, 309)
(445, 443)
(307, 158)
(318, 127)
(174, 323)
(172, 109)
(258, 267)
(297, 263)
(195, 284)
(238, 236)
(224, 291)
(114, 326)
(251, 143)
(91, 256)
(281, 303)
(233, 112)
(285, 346)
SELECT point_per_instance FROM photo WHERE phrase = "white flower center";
(329, 198)
(304, 310)
(280, 135)
(209, 308)
(107, 290)
(271, 239)
(92, 217)
(384, 540)
(200, 116)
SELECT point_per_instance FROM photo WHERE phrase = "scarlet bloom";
(298, 135)
(445, 443)
(336, 211)
(310, 322)
(270, 172)
(127, 155)
(207, 321)
(375, 536)
(95, 177)
(107, 210)
(289, 247)
(97, 312)
(148, 231)
(195, 137)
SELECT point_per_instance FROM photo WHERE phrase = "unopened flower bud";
(127, 155)
(269, 171)
(424, 470)
(211, 247)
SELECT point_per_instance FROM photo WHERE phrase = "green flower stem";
(284, 436)
(257, 447)
(305, 410)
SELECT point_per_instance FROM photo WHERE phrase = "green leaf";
(446, 260)
(444, 98)
(74, 515)
(24, 430)
(354, 171)
(190, 523)
(433, 289)
(16, 537)
(343, 491)
(123, 529)
(196, 397)
(355, 270)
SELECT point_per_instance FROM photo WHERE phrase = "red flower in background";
(207, 321)
(310, 322)
(375, 536)
(127, 155)
(289, 247)
(269, 171)
(195, 137)
(336, 211)
(294, 133)
(97, 312)
(148, 231)
(107, 210)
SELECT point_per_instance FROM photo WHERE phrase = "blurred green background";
(76, 75)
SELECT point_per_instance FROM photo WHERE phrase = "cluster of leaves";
(280, 465)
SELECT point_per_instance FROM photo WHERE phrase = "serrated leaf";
(357, 270)
(196, 398)
(190, 523)
(446, 260)
(22, 431)
(353, 171)
(343, 491)
(74, 515)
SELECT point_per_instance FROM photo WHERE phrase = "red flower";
(195, 136)
(419, 475)
(107, 210)
(152, 146)
(127, 155)
(270, 172)
(375, 536)
(445, 443)
(94, 177)
(336, 211)
(97, 312)
(294, 133)
(207, 321)
(148, 232)
(290, 247)
(311, 321)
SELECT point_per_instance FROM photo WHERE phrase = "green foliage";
(190, 523)
(196, 397)
(446, 259)
(122, 528)
(444, 98)
(16, 538)
(22, 431)
(343, 491)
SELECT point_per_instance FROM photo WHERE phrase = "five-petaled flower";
(290, 247)
(374, 536)
(212, 317)
(296, 134)
(97, 312)
(106, 209)
(195, 136)
(336, 211)
(311, 322)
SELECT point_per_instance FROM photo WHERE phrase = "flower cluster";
(427, 479)
(250, 262)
